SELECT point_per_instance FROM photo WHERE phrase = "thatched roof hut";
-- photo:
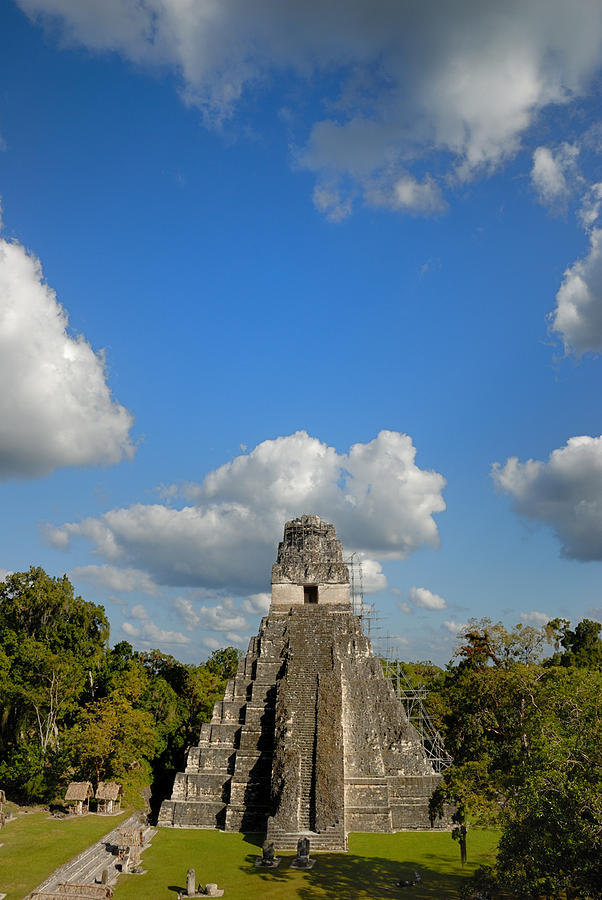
(108, 790)
(78, 794)
(79, 790)
(108, 795)
(2, 797)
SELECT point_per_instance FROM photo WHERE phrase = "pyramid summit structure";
(310, 738)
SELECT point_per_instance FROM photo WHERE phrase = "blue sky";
(334, 258)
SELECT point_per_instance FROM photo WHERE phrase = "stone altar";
(268, 859)
(302, 859)
(310, 739)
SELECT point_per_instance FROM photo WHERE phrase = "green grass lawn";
(369, 870)
(34, 845)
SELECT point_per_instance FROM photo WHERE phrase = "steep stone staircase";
(309, 656)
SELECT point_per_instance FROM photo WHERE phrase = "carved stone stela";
(310, 739)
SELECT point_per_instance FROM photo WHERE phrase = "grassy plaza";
(33, 845)
(374, 863)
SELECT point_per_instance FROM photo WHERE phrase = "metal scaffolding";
(365, 611)
(412, 698)
(356, 584)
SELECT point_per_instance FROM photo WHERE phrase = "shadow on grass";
(266, 875)
(254, 837)
(350, 877)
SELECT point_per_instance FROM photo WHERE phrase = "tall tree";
(526, 741)
(552, 825)
(582, 646)
(52, 644)
(112, 739)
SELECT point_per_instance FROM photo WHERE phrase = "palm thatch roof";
(2, 796)
(108, 790)
(79, 790)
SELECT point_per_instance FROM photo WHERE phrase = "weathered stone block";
(208, 814)
(371, 792)
(368, 819)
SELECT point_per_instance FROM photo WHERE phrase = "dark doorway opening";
(310, 593)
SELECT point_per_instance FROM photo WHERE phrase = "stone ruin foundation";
(310, 739)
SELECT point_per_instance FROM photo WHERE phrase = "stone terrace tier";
(226, 783)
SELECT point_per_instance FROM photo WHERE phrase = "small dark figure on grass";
(416, 880)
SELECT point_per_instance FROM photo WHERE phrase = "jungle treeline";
(524, 728)
(520, 712)
(74, 709)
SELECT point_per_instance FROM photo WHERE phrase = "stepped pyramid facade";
(310, 738)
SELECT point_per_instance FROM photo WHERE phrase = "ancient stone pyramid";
(310, 738)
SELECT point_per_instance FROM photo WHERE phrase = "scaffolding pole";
(412, 699)
(356, 584)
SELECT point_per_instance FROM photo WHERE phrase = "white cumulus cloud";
(373, 577)
(564, 493)
(114, 578)
(455, 628)
(552, 173)
(139, 611)
(578, 314)
(380, 501)
(147, 632)
(257, 603)
(426, 599)
(211, 643)
(328, 201)
(223, 616)
(237, 640)
(407, 194)
(220, 618)
(405, 80)
(185, 609)
(590, 205)
(534, 617)
(56, 407)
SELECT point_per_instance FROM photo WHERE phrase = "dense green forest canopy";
(524, 728)
(72, 708)
(525, 733)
